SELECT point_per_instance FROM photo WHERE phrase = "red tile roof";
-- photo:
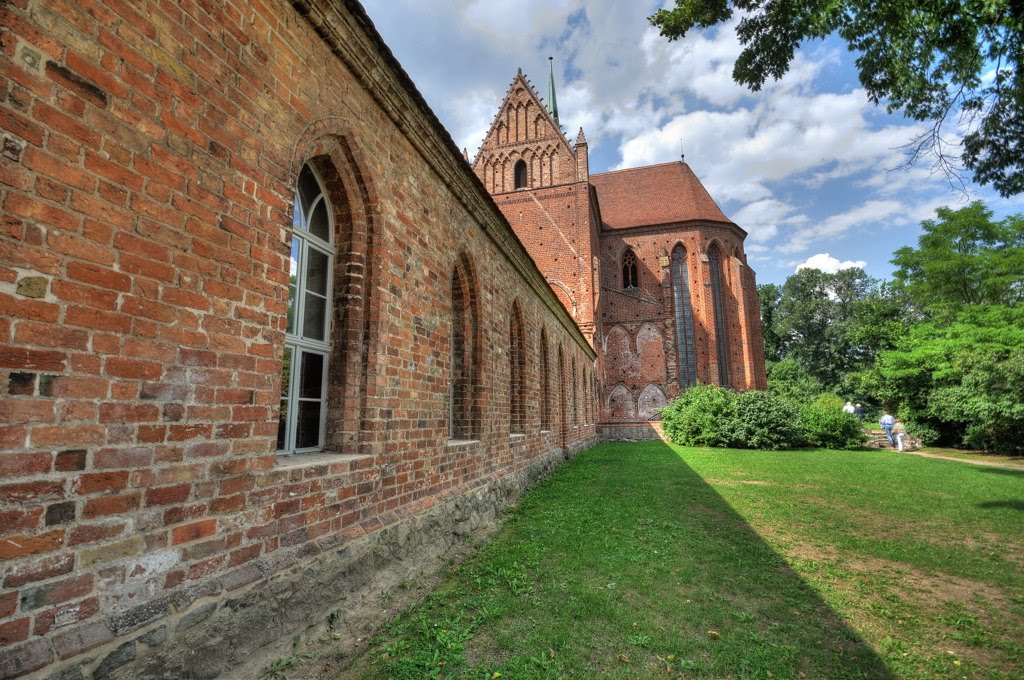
(655, 194)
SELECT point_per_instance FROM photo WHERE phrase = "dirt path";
(987, 463)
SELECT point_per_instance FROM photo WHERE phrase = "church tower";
(541, 183)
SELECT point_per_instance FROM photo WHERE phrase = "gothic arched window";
(685, 354)
(545, 383)
(307, 338)
(520, 174)
(718, 300)
(462, 377)
(630, 277)
(517, 371)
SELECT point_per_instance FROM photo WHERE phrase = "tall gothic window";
(462, 379)
(630, 277)
(545, 383)
(575, 395)
(718, 300)
(520, 174)
(307, 339)
(685, 354)
(517, 369)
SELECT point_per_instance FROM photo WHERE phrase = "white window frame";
(294, 341)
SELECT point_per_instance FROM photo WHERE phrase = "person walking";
(849, 408)
(858, 411)
(899, 430)
(887, 423)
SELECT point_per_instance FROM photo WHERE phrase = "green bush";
(711, 416)
(762, 420)
(824, 424)
(700, 417)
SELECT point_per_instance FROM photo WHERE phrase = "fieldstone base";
(630, 432)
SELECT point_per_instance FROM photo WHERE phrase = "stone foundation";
(630, 432)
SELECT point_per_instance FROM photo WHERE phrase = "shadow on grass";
(1001, 471)
(1012, 505)
(768, 618)
(625, 563)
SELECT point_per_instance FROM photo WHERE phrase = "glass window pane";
(293, 283)
(297, 213)
(286, 372)
(316, 271)
(309, 189)
(282, 426)
(308, 425)
(311, 379)
(319, 224)
(314, 320)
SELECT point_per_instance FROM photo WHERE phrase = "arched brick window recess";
(718, 301)
(463, 416)
(545, 382)
(516, 371)
(521, 181)
(630, 274)
(685, 354)
(575, 395)
(303, 415)
(337, 164)
(563, 406)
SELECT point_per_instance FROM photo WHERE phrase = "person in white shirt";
(887, 422)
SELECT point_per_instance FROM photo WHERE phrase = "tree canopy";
(958, 374)
(829, 323)
(948, 62)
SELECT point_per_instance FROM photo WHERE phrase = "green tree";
(817, 320)
(963, 258)
(958, 374)
(771, 296)
(960, 383)
(947, 62)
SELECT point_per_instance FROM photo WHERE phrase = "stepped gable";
(668, 193)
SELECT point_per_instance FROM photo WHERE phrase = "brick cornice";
(344, 26)
(674, 226)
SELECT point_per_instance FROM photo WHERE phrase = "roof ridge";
(641, 167)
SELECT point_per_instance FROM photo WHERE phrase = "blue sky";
(807, 166)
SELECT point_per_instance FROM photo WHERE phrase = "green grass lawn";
(645, 560)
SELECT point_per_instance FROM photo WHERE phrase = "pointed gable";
(653, 195)
(524, 148)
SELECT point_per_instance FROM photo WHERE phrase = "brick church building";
(649, 267)
(269, 345)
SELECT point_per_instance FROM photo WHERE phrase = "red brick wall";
(150, 154)
(634, 322)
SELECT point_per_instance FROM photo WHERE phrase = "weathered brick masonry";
(151, 151)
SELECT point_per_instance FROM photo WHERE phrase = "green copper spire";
(552, 102)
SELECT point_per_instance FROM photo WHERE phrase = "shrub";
(823, 423)
(699, 417)
(707, 415)
(762, 420)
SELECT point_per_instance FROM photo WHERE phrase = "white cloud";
(871, 213)
(829, 264)
(806, 161)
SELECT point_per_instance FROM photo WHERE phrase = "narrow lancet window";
(307, 338)
(520, 172)
(630, 277)
(718, 300)
(685, 354)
